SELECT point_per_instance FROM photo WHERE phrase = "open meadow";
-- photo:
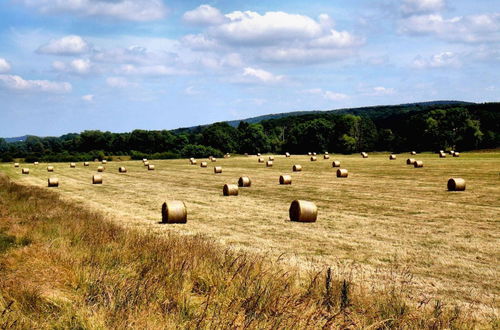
(386, 223)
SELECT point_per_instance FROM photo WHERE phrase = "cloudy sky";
(71, 65)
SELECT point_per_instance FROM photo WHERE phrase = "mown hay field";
(386, 222)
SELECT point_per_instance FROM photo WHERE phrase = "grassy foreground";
(62, 266)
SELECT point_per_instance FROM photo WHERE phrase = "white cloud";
(130, 10)
(149, 70)
(88, 98)
(470, 29)
(260, 75)
(199, 42)
(191, 90)
(69, 45)
(204, 15)
(4, 65)
(77, 66)
(302, 54)
(410, 7)
(327, 95)
(119, 82)
(380, 90)
(445, 59)
(14, 82)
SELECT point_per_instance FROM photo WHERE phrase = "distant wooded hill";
(426, 126)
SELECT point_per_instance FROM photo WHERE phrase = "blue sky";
(71, 65)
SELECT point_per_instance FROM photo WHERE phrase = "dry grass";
(386, 221)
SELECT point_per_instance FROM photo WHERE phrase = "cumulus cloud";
(69, 45)
(410, 7)
(149, 70)
(445, 59)
(469, 29)
(130, 10)
(328, 95)
(204, 15)
(380, 90)
(259, 75)
(119, 82)
(17, 83)
(88, 98)
(4, 65)
(199, 42)
(77, 66)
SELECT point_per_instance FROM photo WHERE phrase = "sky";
(118, 65)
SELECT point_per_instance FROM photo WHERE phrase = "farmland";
(386, 221)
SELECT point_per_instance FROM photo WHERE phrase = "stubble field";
(386, 222)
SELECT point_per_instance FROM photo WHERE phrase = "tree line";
(430, 128)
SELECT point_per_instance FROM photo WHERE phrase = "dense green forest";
(420, 127)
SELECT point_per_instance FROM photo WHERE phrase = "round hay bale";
(104, 161)
(50, 168)
(342, 173)
(25, 171)
(146, 163)
(96, 179)
(314, 154)
(287, 154)
(230, 190)
(122, 169)
(392, 157)
(451, 152)
(413, 153)
(35, 163)
(456, 184)
(144, 160)
(410, 161)
(210, 157)
(203, 164)
(326, 152)
(441, 151)
(456, 154)
(217, 169)
(151, 167)
(72, 165)
(313, 158)
(309, 153)
(260, 160)
(418, 164)
(271, 158)
(53, 182)
(174, 212)
(326, 156)
(213, 159)
(258, 154)
(297, 168)
(336, 163)
(303, 211)
(86, 163)
(269, 163)
(193, 161)
(100, 168)
(364, 155)
(442, 155)
(244, 181)
(16, 164)
(285, 179)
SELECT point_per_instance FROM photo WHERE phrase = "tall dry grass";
(66, 267)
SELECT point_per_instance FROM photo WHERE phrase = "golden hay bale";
(104, 161)
(456, 184)
(151, 167)
(25, 171)
(86, 163)
(35, 163)
(451, 152)
(413, 153)
(456, 154)
(364, 155)
(72, 165)
(213, 159)
(144, 160)
(260, 160)
(392, 157)
(287, 154)
(303, 211)
(442, 155)
(258, 154)
(271, 157)
(269, 163)
(217, 169)
(50, 168)
(410, 161)
(122, 169)
(342, 173)
(227, 155)
(100, 168)
(16, 164)
(96, 179)
(336, 163)
(53, 182)
(326, 156)
(309, 153)
(174, 212)
(210, 157)
(313, 158)
(203, 164)
(314, 154)
(146, 163)
(326, 152)
(230, 190)
(297, 168)
(285, 179)
(193, 161)
(244, 181)
(441, 151)
(418, 164)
